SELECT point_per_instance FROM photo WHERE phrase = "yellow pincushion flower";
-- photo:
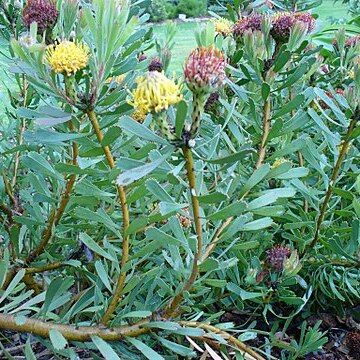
(223, 26)
(67, 57)
(155, 93)
(138, 116)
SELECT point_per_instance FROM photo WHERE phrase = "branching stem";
(344, 150)
(126, 221)
(174, 303)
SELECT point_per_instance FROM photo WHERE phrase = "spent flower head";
(155, 93)
(67, 57)
(204, 70)
(43, 12)
(283, 22)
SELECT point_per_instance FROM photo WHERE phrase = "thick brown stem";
(85, 333)
(126, 221)
(71, 332)
(344, 150)
(266, 131)
(174, 303)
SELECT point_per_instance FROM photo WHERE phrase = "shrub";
(192, 8)
(157, 10)
(137, 211)
(171, 10)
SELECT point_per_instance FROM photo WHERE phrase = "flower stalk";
(198, 108)
(126, 221)
(173, 306)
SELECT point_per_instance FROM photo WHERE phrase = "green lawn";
(329, 9)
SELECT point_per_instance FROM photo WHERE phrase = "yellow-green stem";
(71, 332)
(266, 131)
(56, 215)
(175, 302)
(126, 221)
(21, 134)
(344, 150)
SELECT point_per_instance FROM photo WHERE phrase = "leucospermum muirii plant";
(116, 229)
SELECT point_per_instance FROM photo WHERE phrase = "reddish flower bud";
(277, 255)
(205, 70)
(142, 57)
(43, 12)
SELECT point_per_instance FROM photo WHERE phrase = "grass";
(184, 42)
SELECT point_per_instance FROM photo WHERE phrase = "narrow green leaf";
(92, 245)
(133, 127)
(106, 350)
(213, 198)
(255, 178)
(234, 209)
(28, 350)
(258, 224)
(265, 91)
(291, 105)
(15, 281)
(129, 176)
(100, 269)
(181, 113)
(145, 350)
(57, 339)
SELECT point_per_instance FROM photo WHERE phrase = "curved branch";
(126, 220)
(72, 332)
(335, 173)
(240, 345)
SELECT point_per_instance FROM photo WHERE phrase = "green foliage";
(158, 10)
(81, 178)
(192, 8)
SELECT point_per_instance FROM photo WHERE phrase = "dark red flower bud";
(277, 255)
(156, 65)
(43, 12)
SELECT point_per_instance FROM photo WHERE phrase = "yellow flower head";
(67, 57)
(155, 93)
(223, 26)
(138, 116)
(279, 162)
